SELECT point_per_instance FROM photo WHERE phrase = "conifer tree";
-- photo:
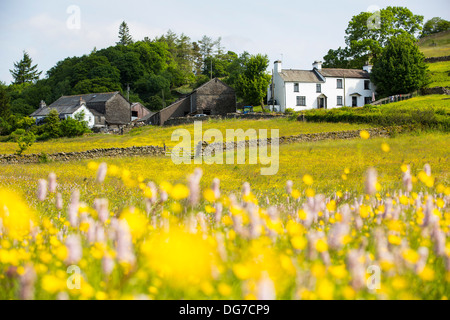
(124, 35)
(24, 71)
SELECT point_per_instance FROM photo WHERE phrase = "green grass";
(431, 111)
(155, 135)
(436, 45)
(440, 74)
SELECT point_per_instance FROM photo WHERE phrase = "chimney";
(42, 104)
(368, 68)
(82, 101)
(277, 65)
(317, 65)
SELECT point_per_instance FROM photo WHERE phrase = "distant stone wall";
(186, 120)
(89, 154)
(435, 90)
(310, 137)
(437, 59)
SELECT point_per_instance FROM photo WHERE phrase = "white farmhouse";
(320, 87)
(66, 112)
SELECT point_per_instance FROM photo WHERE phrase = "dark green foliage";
(24, 71)
(400, 68)
(251, 85)
(73, 128)
(367, 33)
(52, 127)
(154, 69)
(5, 105)
(435, 25)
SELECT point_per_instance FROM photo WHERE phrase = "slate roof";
(347, 73)
(299, 76)
(146, 117)
(70, 104)
(290, 75)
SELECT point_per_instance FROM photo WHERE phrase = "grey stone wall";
(309, 137)
(435, 90)
(437, 59)
(118, 110)
(89, 154)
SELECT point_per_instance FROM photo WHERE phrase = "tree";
(252, 84)
(24, 71)
(400, 68)
(367, 33)
(435, 25)
(124, 35)
(24, 139)
(5, 106)
(52, 125)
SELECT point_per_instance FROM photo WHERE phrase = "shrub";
(24, 139)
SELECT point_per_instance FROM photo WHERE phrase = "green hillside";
(435, 45)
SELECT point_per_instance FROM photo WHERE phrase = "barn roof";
(70, 104)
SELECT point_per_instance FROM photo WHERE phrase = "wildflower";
(74, 249)
(101, 172)
(124, 243)
(266, 288)
(27, 280)
(101, 206)
(289, 185)
(107, 264)
(364, 134)
(59, 201)
(385, 147)
(52, 182)
(194, 186)
(307, 179)
(371, 181)
(179, 192)
(42, 189)
(73, 208)
(215, 186)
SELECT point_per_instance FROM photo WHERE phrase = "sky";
(297, 32)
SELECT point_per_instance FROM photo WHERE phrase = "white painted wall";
(287, 98)
(88, 116)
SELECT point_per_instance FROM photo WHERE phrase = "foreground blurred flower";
(371, 181)
(16, 218)
(101, 172)
(74, 249)
(52, 182)
(179, 257)
(42, 190)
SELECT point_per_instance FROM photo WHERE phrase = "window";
(339, 100)
(366, 84)
(318, 87)
(134, 114)
(339, 83)
(295, 87)
(367, 100)
(301, 101)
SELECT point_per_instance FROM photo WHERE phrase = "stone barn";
(212, 98)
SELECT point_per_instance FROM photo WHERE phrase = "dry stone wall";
(89, 154)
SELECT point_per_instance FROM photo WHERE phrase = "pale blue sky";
(298, 31)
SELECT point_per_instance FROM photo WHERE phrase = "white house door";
(354, 101)
(322, 104)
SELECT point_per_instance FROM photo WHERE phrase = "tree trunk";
(262, 105)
